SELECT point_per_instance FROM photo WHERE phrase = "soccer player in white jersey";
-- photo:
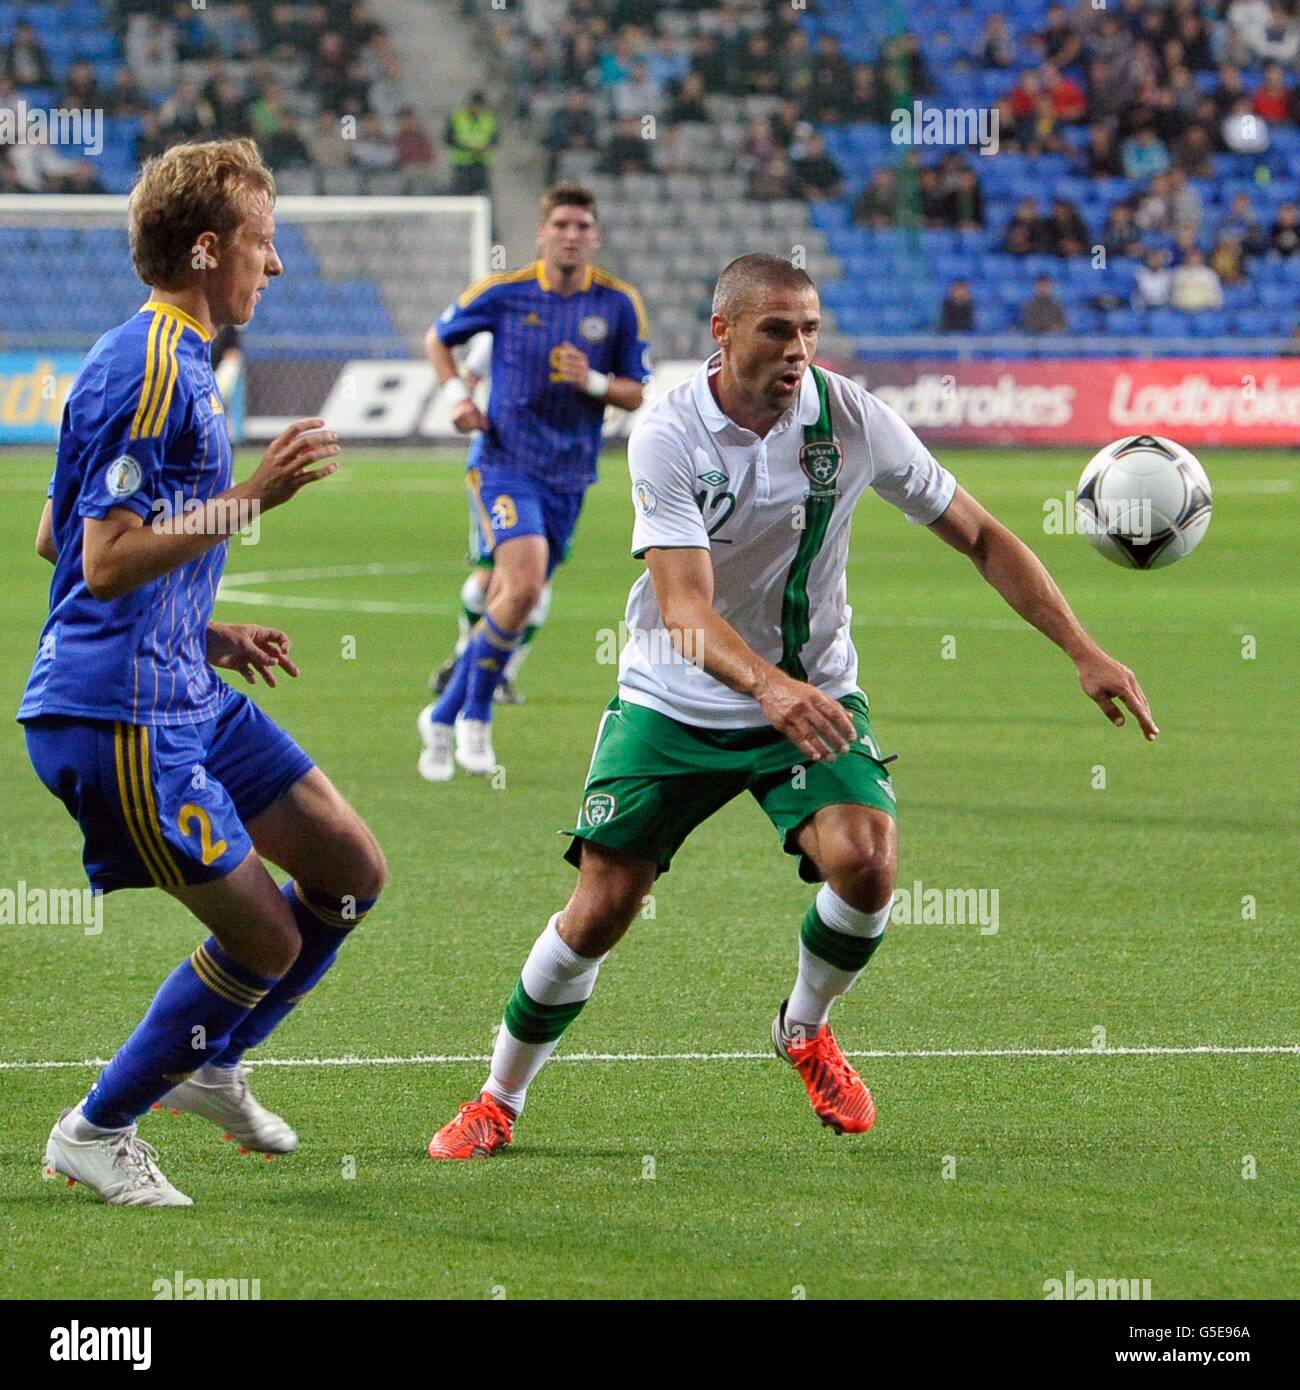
(740, 675)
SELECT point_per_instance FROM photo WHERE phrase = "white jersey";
(774, 514)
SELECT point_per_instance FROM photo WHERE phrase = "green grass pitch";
(1120, 909)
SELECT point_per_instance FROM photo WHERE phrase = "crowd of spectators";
(319, 85)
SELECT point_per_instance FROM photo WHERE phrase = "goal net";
(364, 277)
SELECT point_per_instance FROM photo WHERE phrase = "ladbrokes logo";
(937, 401)
(1196, 400)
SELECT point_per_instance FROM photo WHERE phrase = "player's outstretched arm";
(1021, 578)
(45, 546)
(250, 649)
(121, 553)
(683, 578)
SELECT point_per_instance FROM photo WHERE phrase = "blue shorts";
(505, 504)
(163, 805)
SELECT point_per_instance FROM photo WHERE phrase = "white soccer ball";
(1144, 502)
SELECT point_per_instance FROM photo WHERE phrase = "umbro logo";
(715, 478)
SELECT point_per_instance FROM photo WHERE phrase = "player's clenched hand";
(467, 417)
(287, 464)
(250, 650)
(817, 725)
(571, 365)
(1106, 680)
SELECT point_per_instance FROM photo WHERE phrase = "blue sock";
(448, 704)
(324, 923)
(188, 1024)
(486, 656)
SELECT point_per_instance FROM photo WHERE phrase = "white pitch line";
(450, 1058)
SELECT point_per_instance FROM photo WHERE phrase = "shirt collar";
(588, 277)
(154, 306)
(807, 409)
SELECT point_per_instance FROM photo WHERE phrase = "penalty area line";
(887, 1054)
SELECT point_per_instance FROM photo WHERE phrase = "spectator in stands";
(957, 314)
(1059, 41)
(798, 67)
(387, 92)
(709, 60)
(614, 64)
(414, 144)
(24, 61)
(963, 204)
(1278, 40)
(1184, 95)
(83, 179)
(877, 205)
(266, 112)
(149, 142)
(1229, 90)
(1195, 286)
(193, 42)
(627, 152)
(1272, 98)
(1043, 312)
(372, 151)
(1227, 261)
(834, 77)
(1185, 206)
(185, 115)
(1027, 233)
(1242, 223)
(1121, 237)
(329, 150)
(902, 54)
(151, 52)
(787, 119)
(80, 89)
(1109, 41)
(934, 206)
(669, 63)
(285, 148)
(1101, 158)
(1153, 279)
(760, 70)
(759, 144)
(1193, 34)
(1108, 97)
(1143, 155)
(689, 105)
(229, 108)
(817, 174)
(533, 78)
(124, 97)
(1284, 239)
(233, 30)
(864, 101)
(571, 127)
(1024, 95)
(1068, 100)
(639, 96)
(773, 180)
(38, 166)
(1193, 153)
(1242, 131)
(472, 131)
(1067, 233)
(578, 62)
(997, 49)
(1039, 133)
(332, 77)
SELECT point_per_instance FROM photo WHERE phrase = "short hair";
(747, 277)
(184, 192)
(568, 195)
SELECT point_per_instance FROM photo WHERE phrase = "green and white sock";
(536, 618)
(835, 943)
(473, 602)
(554, 985)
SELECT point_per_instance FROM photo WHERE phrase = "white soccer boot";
(474, 746)
(221, 1094)
(121, 1168)
(436, 764)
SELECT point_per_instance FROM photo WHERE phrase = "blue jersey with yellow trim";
(142, 429)
(540, 425)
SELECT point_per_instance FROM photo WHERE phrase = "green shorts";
(653, 780)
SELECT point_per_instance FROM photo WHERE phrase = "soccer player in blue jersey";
(567, 339)
(177, 780)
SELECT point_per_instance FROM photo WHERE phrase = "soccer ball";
(1144, 502)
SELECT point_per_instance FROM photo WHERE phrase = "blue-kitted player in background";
(567, 339)
(177, 780)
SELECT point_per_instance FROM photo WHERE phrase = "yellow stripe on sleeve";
(613, 283)
(169, 371)
(147, 390)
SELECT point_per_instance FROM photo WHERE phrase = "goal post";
(364, 277)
